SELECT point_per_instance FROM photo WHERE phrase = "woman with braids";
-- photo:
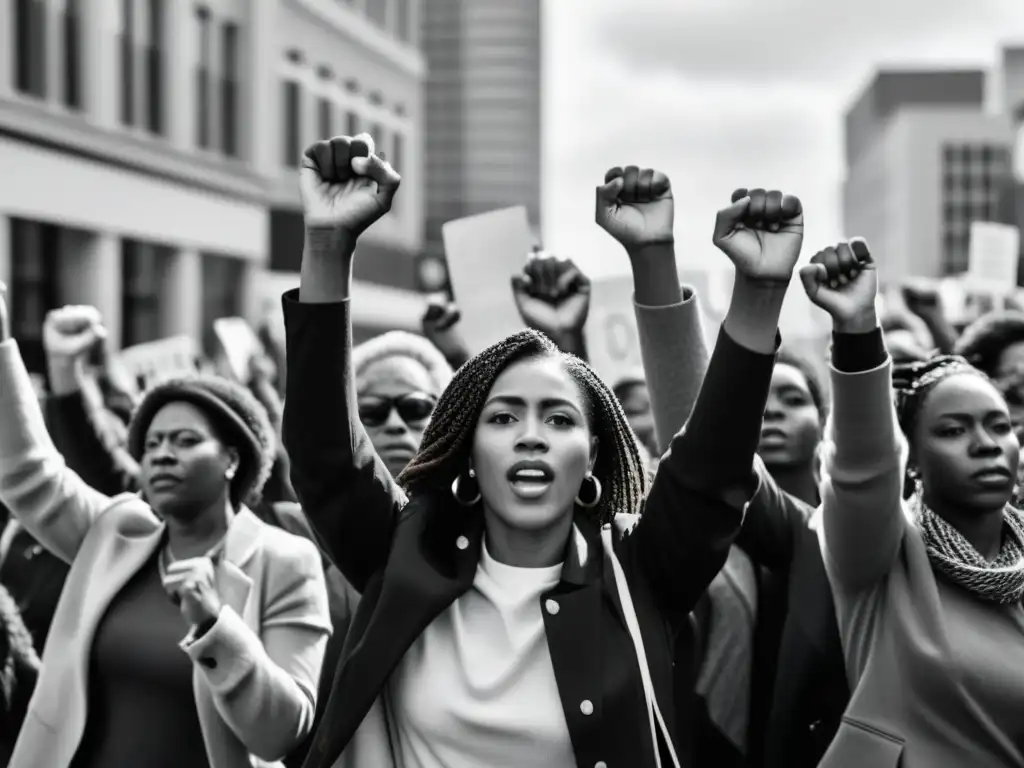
(928, 596)
(503, 622)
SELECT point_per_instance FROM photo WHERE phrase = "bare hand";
(761, 233)
(842, 280)
(71, 332)
(440, 325)
(345, 185)
(553, 297)
(636, 207)
(191, 584)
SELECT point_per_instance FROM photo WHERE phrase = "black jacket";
(405, 561)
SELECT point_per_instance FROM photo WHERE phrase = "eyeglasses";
(412, 409)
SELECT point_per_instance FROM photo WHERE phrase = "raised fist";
(761, 233)
(553, 297)
(842, 280)
(345, 185)
(440, 325)
(72, 332)
(635, 206)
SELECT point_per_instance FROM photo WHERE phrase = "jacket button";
(586, 707)
(600, 764)
(462, 542)
(814, 726)
(208, 662)
(552, 606)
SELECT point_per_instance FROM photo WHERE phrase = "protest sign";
(238, 346)
(154, 361)
(483, 253)
(993, 258)
(613, 343)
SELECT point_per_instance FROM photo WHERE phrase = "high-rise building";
(346, 68)
(1011, 101)
(130, 134)
(924, 160)
(483, 103)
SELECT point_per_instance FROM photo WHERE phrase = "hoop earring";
(457, 486)
(597, 492)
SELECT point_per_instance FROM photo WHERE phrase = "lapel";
(234, 587)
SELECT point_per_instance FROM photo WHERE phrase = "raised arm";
(347, 493)
(863, 465)
(704, 481)
(47, 498)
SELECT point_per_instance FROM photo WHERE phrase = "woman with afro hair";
(504, 621)
(188, 631)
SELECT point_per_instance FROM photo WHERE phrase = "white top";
(477, 687)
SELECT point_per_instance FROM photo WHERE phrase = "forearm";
(65, 374)
(753, 317)
(326, 273)
(655, 276)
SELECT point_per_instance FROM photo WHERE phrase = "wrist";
(656, 249)
(65, 374)
(328, 241)
(861, 322)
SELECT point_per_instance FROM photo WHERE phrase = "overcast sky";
(728, 93)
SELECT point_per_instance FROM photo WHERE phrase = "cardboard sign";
(238, 345)
(613, 342)
(483, 253)
(155, 361)
(994, 256)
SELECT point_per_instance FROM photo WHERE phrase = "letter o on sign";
(619, 337)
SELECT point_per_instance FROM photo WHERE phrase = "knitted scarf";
(1000, 581)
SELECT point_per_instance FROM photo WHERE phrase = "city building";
(483, 102)
(345, 67)
(1010, 100)
(924, 160)
(136, 176)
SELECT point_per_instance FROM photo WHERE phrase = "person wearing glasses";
(399, 377)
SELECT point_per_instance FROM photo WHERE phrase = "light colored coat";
(936, 674)
(255, 673)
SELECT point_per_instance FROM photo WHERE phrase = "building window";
(402, 22)
(292, 124)
(222, 297)
(127, 49)
(377, 132)
(30, 39)
(34, 289)
(397, 158)
(351, 123)
(203, 79)
(229, 90)
(142, 267)
(155, 68)
(72, 55)
(377, 12)
(325, 117)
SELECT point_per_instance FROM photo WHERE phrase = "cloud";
(800, 40)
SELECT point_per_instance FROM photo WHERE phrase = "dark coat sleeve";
(346, 492)
(774, 520)
(75, 436)
(704, 482)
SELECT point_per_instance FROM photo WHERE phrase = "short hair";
(447, 441)
(984, 341)
(803, 364)
(239, 419)
(407, 345)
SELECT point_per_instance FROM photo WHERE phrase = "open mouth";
(530, 480)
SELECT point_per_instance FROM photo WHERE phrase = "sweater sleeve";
(346, 492)
(49, 500)
(864, 457)
(675, 359)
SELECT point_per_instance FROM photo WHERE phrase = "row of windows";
(971, 178)
(141, 64)
(331, 120)
(35, 288)
(398, 22)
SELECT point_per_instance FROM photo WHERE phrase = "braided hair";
(447, 441)
(911, 383)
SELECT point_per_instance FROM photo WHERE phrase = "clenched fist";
(761, 233)
(346, 186)
(71, 332)
(843, 281)
(635, 206)
(553, 297)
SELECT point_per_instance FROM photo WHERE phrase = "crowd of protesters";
(404, 555)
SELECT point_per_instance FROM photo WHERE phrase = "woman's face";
(532, 446)
(791, 429)
(636, 404)
(396, 398)
(184, 464)
(964, 445)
